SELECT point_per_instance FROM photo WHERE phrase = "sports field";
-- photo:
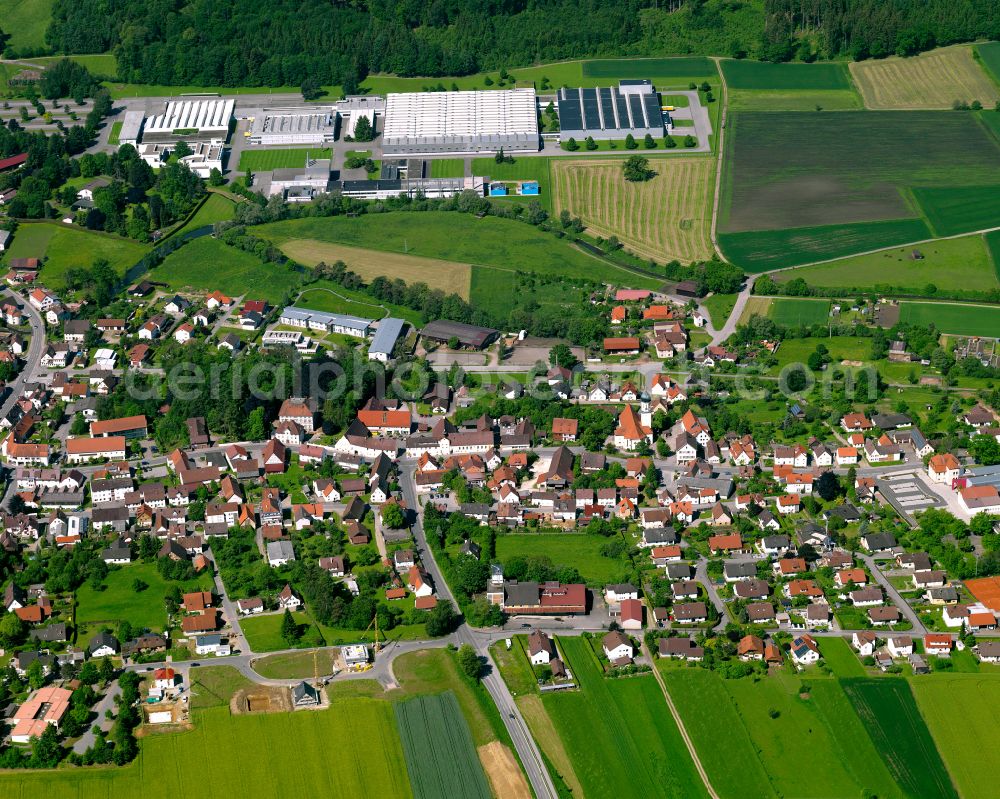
(208, 264)
(889, 712)
(797, 170)
(462, 238)
(440, 757)
(66, 248)
(448, 276)
(961, 264)
(960, 711)
(665, 218)
(964, 320)
(926, 81)
(120, 602)
(266, 160)
(253, 756)
(791, 311)
(759, 251)
(25, 22)
(628, 718)
(566, 549)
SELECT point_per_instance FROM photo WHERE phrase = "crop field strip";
(932, 80)
(951, 210)
(664, 218)
(889, 712)
(745, 74)
(648, 67)
(791, 312)
(440, 758)
(960, 319)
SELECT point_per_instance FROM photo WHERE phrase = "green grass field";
(962, 264)
(257, 757)
(264, 632)
(321, 299)
(797, 350)
(25, 22)
(215, 209)
(794, 99)
(521, 169)
(296, 665)
(565, 549)
(116, 129)
(841, 659)
(440, 757)
(745, 74)
(626, 717)
(120, 602)
(959, 209)
(214, 686)
(66, 248)
(266, 160)
(759, 251)
(992, 241)
(492, 241)
(447, 167)
(965, 320)
(792, 312)
(207, 264)
(989, 58)
(889, 712)
(648, 67)
(719, 307)
(960, 709)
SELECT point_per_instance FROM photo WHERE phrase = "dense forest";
(246, 43)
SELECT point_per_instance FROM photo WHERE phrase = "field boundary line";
(680, 724)
(719, 146)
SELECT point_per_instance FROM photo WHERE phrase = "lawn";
(207, 264)
(665, 218)
(929, 80)
(450, 236)
(960, 711)
(719, 307)
(65, 248)
(628, 718)
(514, 665)
(746, 74)
(841, 659)
(889, 712)
(253, 756)
(214, 686)
(266, 160)
(523, 168)
(264, 632)
(965, 320)
(447, 167)
(760, 251)
(116, 129)
(448, 276)
(119, 601)
(296, 665)
(565, 549)
(325, 295)
(440, 757)
(797, 350)
(216, 208)
(961, 264)
(819, 181)
(793, 312)
(25, 22)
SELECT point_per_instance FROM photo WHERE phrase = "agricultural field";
(756, 85)
(960, 708)
(665, 218)
(501, 290)
(440, 757)
(266, 160)
(841, 659)
(964, 320)
(25, 22)
(889, 712)
(119, 601)
(206, 264)
(815, 186)
(66, 248)
(566, 549)
(932, 80)
(449, 236)
(792, 312)
(989, 58)
(950, 210)
(760, 251)
(448, 276)
(254, 756)
(628, 717)
(962, 264)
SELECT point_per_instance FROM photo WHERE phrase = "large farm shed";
(190, 120)
(610, 113)
(471, 336)
(428, 123)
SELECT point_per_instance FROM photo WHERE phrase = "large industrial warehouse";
(308, 126)
(190, 120)
(610, 113)
(428, 123)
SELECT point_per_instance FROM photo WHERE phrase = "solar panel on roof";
(635, 103)
(590, 112)
(622, 110)
(570, 114)
(607, 108)
(653, 113)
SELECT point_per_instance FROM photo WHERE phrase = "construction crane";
(376, 646)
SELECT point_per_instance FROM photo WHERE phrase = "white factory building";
(325, 322)
(309, 126)
(131, 128)
(190, 120)
(296, 184)
(428, 123)
(205, 155)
